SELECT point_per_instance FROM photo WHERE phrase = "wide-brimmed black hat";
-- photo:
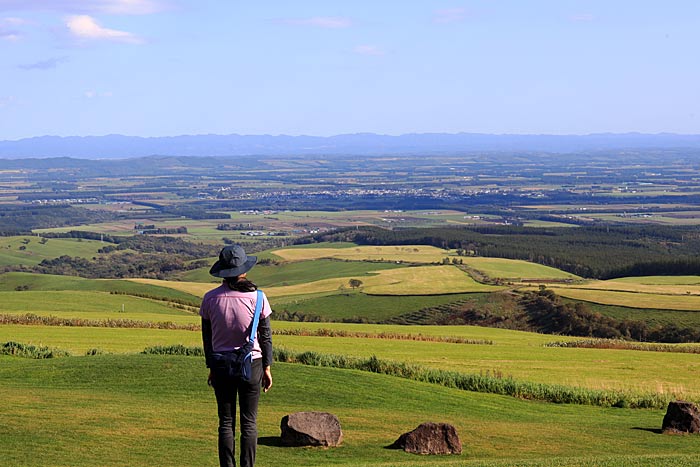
(232, 262)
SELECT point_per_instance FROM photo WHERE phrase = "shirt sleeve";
(266, 309)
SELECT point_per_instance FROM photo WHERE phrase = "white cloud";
(368, 50)
(326, 22)
(85, 27)
(582, 17)
(8, 35)
(112, 7)
(449, 15)
(7, 101)
(90, 94)
(13, 21)
(44, 64)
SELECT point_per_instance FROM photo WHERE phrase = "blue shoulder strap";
(256, 316)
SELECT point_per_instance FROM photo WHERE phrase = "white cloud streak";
(7, 101)
(45, 64)
(449, 15)
(582, 17)
(325, 22)
(372, 50)
(85, 27)
(110, 7)
(9, 35)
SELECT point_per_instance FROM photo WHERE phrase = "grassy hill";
(28, 251)
(138, 410)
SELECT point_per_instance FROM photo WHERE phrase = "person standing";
(227, 314)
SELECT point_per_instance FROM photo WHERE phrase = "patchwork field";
(110, 409)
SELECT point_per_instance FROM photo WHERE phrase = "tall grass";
(32, 319)
(619, 344)
(486, 383)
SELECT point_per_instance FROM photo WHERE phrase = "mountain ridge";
(115, 146)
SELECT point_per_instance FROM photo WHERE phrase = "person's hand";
(267, 379)
(210, 378)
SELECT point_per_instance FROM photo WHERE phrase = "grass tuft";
(17, 349)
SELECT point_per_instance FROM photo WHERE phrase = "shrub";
(30, 351)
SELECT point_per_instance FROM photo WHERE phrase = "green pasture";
(29, 251)
(689, 319)
(265, 275)
(502, 268)
(48, 282)
(404, 253)
(631, 299)
(139, 410)
(91, 305)
(658, 280)
(422, 280)
(350, 305)
(518, 354)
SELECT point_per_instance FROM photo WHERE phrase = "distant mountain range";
(118, 146)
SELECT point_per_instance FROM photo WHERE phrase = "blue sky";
(171, 67)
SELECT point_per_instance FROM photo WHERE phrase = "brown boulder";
(430, 438)
(681, 417)
(311, 429)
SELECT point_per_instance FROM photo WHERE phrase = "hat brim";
(217, 271)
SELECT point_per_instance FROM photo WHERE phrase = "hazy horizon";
(158, 68)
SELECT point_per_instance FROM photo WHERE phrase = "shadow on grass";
(657, 431)
(274, 441)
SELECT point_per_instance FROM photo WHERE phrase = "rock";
(681, 417)
(430, 438)
(311, 429)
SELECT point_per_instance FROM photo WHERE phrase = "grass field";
(299, 272)
(631, 299)
(46, 282)
(407, 254)
(425, 280)
(29, 251)
(515, 269)
(518, 354)
(139, 410)
(354, 305)
(91, 305)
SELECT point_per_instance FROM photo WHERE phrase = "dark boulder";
(311, 429)
(430, 438)
(681, 417)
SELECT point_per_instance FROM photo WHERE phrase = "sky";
(327, 67)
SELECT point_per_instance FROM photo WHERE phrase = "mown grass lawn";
(137, 410)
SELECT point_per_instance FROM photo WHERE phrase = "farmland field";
(28, 250)
(632, 299)
(408, 254)
(512, 353)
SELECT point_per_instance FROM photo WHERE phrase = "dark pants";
(226, 390)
